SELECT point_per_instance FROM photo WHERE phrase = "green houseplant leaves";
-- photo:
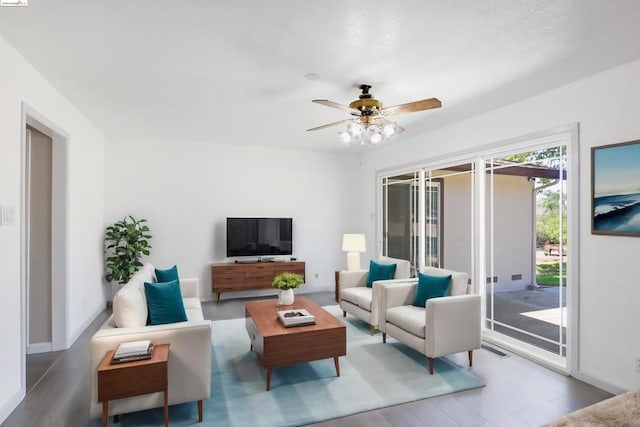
(126, 242)
(284, 281)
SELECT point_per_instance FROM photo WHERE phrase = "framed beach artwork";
(615, 189)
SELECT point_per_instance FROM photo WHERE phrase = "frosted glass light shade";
(355, 129)
(389, 129)
(344, 137)
(375, 137)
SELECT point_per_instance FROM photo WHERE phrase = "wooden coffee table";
(277, 346)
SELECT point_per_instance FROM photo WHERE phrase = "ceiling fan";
(370, 123)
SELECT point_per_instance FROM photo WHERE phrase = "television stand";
(247, 276)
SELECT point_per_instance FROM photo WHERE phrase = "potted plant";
(286, 282)
(126, 242)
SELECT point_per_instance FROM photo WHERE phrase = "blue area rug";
(372, 375)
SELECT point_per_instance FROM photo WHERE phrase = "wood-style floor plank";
(518, 392)
(429, 413)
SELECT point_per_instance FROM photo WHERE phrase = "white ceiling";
(244, 72)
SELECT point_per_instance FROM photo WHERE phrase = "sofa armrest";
(395, 281)
(189, 365)
(453, 324)
(393, 293)
(190, 288)
(352, 278)
(375, 297)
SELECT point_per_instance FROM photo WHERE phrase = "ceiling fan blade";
(411, 107)
(332, 104)
(330, 124)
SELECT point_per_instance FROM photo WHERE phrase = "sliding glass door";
(502, 218)
(400, 210)
(427, 217)
(526, 247)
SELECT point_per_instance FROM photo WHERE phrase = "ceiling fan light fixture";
(344, 136)
(355, 129)
(375, 136)
(389, 129)
(371, 125)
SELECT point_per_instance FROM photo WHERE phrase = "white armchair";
(361, 301)
(447, 325)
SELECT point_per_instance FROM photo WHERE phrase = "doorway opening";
(43, 245)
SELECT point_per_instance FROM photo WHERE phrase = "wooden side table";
(117, 381)
(337, 278)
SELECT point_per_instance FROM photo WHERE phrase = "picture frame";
(615, 189)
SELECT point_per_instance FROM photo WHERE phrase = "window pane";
(400, 213)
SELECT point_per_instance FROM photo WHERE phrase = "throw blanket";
(619, 411)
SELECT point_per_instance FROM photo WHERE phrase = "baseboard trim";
(597, 382)
(11, 404)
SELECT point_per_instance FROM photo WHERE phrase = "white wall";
(19, 82)
(606, 106)
(187, 189)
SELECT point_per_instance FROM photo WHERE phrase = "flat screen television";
(259, 236)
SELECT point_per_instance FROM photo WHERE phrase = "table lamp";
(353, 244)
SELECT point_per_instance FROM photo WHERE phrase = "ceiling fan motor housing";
(367, 105)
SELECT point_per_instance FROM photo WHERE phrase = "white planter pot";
(286, 297)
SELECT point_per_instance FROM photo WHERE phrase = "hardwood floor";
(38, 364)
(518, 392)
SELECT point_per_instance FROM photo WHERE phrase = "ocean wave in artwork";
(620, 212)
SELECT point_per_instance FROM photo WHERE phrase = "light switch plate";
(7, 215)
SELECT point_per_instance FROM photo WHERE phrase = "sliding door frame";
(567, 135)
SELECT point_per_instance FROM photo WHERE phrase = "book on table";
(297, 317)
(134, 350)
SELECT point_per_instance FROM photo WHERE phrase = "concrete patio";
(532, 311)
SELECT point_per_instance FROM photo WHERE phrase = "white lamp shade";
(353, 243)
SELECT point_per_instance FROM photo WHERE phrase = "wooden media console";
(234, 277)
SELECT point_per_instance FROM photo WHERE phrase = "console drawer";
(229, 277)
(291, 267)
(260, 271)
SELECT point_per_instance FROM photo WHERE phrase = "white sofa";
(189, 364)
(361, 301)
(447, 325)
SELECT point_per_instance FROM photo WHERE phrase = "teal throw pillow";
(431, 287)
(167, 275)
(164, 301)
(379, 271)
